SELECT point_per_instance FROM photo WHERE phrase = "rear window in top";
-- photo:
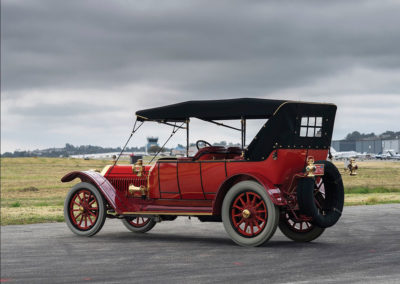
(311, 126)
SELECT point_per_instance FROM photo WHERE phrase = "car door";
(189, 180)
(168, 182)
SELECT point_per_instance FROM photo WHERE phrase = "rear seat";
(215, 153)
(211, 153)
(233, 153)
(185, 159)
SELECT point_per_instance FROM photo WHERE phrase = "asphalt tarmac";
(364, 247)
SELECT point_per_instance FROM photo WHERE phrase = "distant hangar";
(372, 146)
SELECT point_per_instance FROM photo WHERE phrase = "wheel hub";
(83, 210)
(249, 214)
(246, 213)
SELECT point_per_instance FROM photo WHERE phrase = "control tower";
(151, 141)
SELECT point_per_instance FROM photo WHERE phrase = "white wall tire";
(139, 224)
(255, 226)
(84, 209)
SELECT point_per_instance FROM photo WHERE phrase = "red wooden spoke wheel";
(83, 209)
(139, 222)
(296, 225)
(249, 214)
(304, 226)
(298, 230)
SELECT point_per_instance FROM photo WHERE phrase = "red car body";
(195, 187)
(295, 135)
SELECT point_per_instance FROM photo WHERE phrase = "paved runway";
(364, 247)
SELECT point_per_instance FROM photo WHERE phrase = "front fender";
(102, 184)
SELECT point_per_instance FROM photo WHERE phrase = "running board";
(169, 210)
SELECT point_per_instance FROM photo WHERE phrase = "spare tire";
(322, 197)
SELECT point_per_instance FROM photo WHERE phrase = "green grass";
(371, 201)
(366, 190)
(35, 201)
(31, 190)
(15, 204)
(28, 215)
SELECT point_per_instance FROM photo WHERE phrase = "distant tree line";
(69, 150)
(356, 136)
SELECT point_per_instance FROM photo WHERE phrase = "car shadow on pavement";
(292, 244)
(165, 238)
(179, 239)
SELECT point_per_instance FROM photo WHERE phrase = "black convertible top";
(290, 125)
(247, 108)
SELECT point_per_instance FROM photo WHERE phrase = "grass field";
(31, 190)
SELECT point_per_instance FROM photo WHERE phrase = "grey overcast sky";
(76, 71)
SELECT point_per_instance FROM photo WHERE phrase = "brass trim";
(140, 189)
(279, 107)
(311, 168)
(138, 168)
(246, 213)
(105, 170)
(299, 102)
(145, 118)
(112, 212)
(148, 178)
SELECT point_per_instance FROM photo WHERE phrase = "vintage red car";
(282, 178)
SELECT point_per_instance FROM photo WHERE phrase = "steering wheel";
(204, 142)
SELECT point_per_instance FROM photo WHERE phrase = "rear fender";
(274, 192)
(102, 184)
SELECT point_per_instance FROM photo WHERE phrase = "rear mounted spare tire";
(322, 197)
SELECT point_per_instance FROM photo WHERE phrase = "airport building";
(371, 146)
(151, 141)
(391, 144)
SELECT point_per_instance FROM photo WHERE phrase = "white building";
(393, 144)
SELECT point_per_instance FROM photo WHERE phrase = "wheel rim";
(300, 226)
(139, 222)
(249, 214)
(296, 225)
(84, 210)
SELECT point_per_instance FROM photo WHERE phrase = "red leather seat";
(185, 159)
(233, 152)
(211, 153)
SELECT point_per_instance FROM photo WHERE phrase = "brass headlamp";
(138, 168)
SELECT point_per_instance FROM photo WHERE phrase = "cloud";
(67, 65)
(251, 46)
